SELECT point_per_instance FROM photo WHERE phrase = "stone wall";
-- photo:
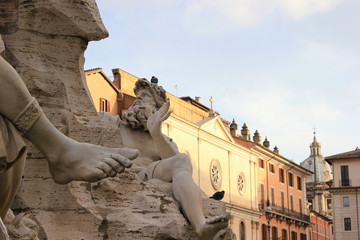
(45, 40)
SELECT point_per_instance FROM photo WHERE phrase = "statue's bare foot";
(212, 226)
(87, 162)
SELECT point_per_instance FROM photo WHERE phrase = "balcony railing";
(290, 213)
(344, 182)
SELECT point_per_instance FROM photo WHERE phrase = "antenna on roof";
(176, 89)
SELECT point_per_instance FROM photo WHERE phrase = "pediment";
(215, 127)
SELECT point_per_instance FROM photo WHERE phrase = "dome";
(315, 143)
(316, 163)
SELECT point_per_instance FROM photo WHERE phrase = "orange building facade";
(281, 192)
(322, 227)
(104, 94)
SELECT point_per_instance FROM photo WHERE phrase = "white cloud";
(207, 13)
(298, 9)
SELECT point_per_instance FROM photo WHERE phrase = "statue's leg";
(178, 170)
(9, 183)
(68, 159)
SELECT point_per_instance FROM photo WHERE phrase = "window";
(261, 163)
(282, 200)
(273, 196)
(263, 232)
(291, 183)
(300, 206)
(302, 236)
(241, 183)
(271, 168)
(299, 183)
(242, 231)
(284, 234)
(274, 233)
(344, 176)
(262, 192)
(346, 202)
(347, 224)
(292, 203)
(293, 235)
(104, 105)
(328, 204)
(281, 175)
(310, 202)
(215, 174)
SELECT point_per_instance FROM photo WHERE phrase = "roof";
(346, 155)
(250, 144)
(195, 103)
(99, 70)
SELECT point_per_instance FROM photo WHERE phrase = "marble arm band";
(28, 116)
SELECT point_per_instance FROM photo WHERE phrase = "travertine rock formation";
(45, 41)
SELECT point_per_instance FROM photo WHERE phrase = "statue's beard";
(137, 115)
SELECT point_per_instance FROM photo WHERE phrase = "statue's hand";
(154, 120)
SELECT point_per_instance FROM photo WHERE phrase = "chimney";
(257, 137)
(245, 132)
(198, 99)
(233, 128)
(117, 78)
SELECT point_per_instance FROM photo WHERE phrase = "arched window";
(284, 234)
(264, 232)
(274, 232)
(242, 231)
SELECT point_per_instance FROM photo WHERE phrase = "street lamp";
(268, 217)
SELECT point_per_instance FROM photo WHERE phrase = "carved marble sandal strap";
(28, 116)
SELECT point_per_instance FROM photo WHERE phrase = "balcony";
(344, 182)
(291, 214)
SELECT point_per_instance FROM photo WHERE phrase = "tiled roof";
(93, 69)
(345, 155)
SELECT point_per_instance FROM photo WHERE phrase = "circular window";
(241, 183)
(215, 174)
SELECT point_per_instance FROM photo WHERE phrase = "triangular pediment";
(215, 127)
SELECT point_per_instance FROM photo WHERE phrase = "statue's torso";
(141, 140)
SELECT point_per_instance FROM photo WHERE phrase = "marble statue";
(68, 160)
(141, 129)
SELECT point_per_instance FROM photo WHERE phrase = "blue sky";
(282, 66)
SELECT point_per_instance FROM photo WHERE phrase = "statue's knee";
(182, 156)
(183, 161)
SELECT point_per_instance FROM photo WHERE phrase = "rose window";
(241, 183)
(215, 174)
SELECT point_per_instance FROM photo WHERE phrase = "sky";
(283, 67)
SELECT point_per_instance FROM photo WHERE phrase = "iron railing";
(290, 213)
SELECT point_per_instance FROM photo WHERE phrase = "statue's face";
(143, 107)
(145, 97)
